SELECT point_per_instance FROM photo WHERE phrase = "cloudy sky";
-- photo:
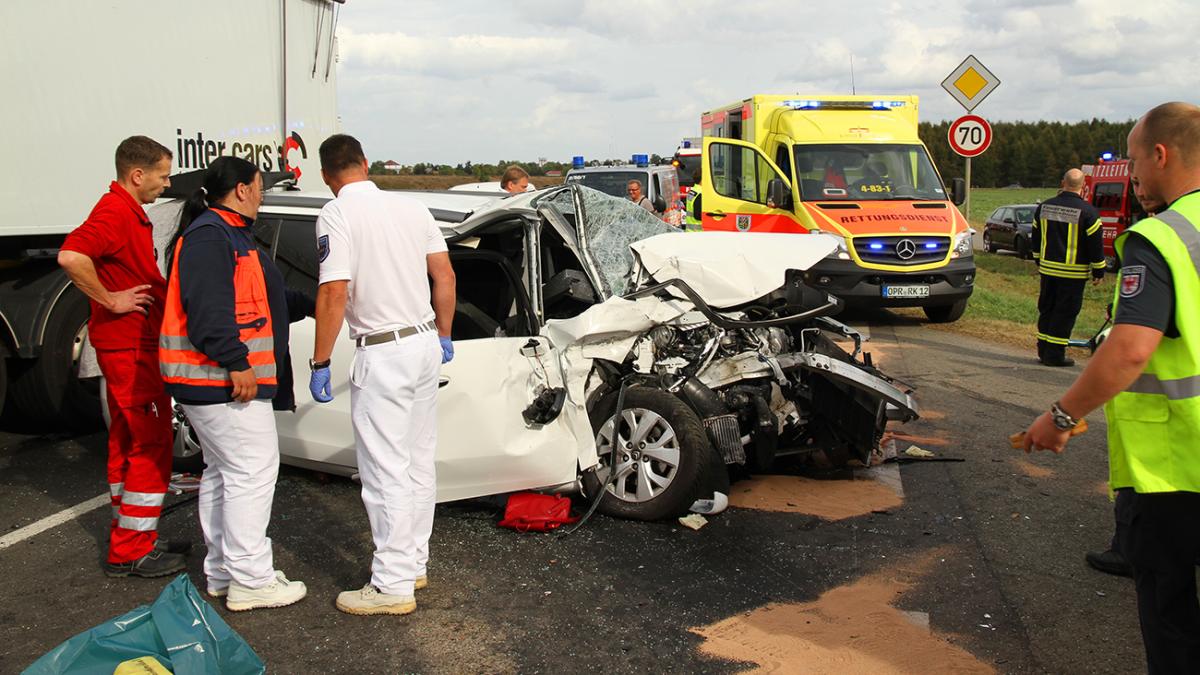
(482, 81)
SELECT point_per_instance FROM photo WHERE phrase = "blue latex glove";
(319, 387)
(447, 348)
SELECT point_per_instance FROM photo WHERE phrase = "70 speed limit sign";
(970, 135)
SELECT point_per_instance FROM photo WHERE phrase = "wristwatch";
(1062, 420)
(317, 365)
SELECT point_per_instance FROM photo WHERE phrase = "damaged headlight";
(843, 249)
(964, 244)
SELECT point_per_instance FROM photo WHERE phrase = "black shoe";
(154, 564)
(181, 547)
(1109, 562)
(1063, 362)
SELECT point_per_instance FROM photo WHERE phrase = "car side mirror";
(778, 194)
(958, 191)
(660, 205)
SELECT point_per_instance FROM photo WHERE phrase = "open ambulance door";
(735, 177)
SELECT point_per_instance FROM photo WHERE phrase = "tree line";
(1029, 154)
(485, 172)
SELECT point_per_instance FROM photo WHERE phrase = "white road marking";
(50, 522)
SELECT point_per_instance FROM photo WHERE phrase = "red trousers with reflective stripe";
(139, 450)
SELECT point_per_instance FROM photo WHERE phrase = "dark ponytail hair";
(224, 174)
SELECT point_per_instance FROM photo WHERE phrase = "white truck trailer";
(252, 78)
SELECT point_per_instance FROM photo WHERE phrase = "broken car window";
(610, 225)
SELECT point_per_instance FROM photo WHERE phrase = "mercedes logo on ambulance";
(905, 249)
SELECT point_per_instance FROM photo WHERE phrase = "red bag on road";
(533, 512)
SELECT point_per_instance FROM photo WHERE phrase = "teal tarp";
(179, 629)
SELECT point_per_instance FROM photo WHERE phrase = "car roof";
(446, 206)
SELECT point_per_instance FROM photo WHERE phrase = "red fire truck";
(1108, 188)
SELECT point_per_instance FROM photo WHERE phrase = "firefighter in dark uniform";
(1069, 249)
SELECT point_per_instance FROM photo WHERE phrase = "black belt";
(394, 335)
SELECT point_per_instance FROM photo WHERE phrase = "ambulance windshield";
(866, 172)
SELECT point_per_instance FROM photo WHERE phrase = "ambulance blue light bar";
(813, 104)
(641, 160)
(1106, 157)
(875, 246)
(577, 162)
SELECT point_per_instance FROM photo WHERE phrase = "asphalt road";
(983, 556)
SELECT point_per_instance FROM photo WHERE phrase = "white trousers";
(393, 404)
(241, 450)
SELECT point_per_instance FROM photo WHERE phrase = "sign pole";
(967, 201)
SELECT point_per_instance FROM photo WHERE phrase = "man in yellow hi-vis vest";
(1147, 376)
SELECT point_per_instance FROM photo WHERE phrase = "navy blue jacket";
(206, 265)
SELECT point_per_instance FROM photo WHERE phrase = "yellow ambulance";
(849, 165)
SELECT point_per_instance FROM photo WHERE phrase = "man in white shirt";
(378, 250)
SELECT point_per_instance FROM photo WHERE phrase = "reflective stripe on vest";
(1154, 425)
(180, 362)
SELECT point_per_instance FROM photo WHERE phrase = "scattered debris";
(183, 482)
(694, 521)
(917, 451)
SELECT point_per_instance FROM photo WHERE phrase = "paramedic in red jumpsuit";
(111, 258)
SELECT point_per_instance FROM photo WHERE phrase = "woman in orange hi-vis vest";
(223, 356)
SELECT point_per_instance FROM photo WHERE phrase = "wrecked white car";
(570, 301)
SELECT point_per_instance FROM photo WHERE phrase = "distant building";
(392, 166)
(554, 173)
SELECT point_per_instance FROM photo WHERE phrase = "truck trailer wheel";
(946, 313)
(48, 390)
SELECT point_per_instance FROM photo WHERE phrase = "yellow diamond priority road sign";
(970, 83)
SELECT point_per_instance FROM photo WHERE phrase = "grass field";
(985, 200)
(1003, 307)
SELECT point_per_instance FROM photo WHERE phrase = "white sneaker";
(219, 588)
(278, 593)
(368, 600)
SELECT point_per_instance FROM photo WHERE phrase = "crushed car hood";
(731, 268)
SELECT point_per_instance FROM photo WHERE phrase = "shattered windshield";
(610, 225)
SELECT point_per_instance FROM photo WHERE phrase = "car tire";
(946, 313)
(988, 244)
(47, 390)
(186, 454)
(660, 413)
(1022, 246)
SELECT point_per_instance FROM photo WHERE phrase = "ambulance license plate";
(906, 291)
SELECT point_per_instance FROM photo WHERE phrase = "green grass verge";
(1003, 307)
(986, 200)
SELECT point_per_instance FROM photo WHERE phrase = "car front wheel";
(658, 454)
(988, 244)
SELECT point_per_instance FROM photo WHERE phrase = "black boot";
(1055, 356)
(154, 564)
(1109, 562)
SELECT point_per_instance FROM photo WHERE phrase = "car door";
(734, 176)
(1008, 227)
(484, 444)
